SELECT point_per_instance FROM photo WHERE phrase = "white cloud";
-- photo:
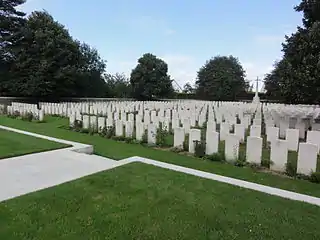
(182, 68)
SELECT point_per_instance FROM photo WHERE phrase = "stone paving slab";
(29, 173)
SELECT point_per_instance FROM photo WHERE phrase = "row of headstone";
(25, 108)
(284, 125)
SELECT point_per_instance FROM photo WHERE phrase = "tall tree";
(49, 62)
(92, 67)
(11, 25)
(150, 79)
(118, 85)
(221, 78)
(187, 88)
(297, 75)
(310, 10)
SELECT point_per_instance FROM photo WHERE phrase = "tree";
(92, 68)
(50, 64)
(296, 76)
(221, 78)
(272, 82)
(11, 26)
(150, 79)
(310, 10)
(187, 88)
(118, 85)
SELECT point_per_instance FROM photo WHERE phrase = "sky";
(184, 33)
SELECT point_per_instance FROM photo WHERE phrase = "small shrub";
(144, 139)
(176, 149)
(255, 166)
(129, 140)
(15, 114)
(315, 177)
(83, 130)
(27, 117)
(161, 137)
(92, 130)
(266, 163)
(291, 169)
(77, 125)
(216, 157)
(240, 163)
(118, 138)
(199, 149)
(108, 132)
(186, 143)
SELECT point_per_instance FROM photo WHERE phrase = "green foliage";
(150, 79)
(77, 125)
(176, 149)
(27, 117)
(216, 157)
(11, 28)
(310, 10)
(108, 132)
(92, 66)
(221, 78)
(144, 139)
(291, 169)
(129, 140)
(117, 85)
(47, 63)
(186, 143)
(315, 177)
(295, 78)
(240, 162)
(188, 89)
(92, 130)
(266, 163)
(199, 148)
(15, 114)
(118, 138)
(161, 137)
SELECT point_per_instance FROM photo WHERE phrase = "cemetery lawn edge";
(140, 201)
(14, 144)
(56, 127)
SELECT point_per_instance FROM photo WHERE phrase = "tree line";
(40, 59)
(296, 77)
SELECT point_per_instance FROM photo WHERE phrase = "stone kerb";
(76, 147)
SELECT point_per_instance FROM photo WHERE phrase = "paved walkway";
(29, 173)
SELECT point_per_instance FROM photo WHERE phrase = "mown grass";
(139, 201)
(14, 144)
(119, 150)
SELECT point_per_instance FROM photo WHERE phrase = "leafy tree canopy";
(221, 78)
(296, 78)
(118, 85)
(187, 88)
(11, 26)
(150, 79)
(50, 64)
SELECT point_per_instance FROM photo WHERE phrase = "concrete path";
(29, 173)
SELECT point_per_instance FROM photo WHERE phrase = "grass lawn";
(14, 144)
(119, 150)
(139, 201)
